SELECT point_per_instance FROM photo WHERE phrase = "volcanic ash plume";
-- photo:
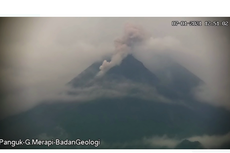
(132, 36)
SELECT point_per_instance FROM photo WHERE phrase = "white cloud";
(162, 141)
(58, 132)
(207, 141)
(212, 141)
(110, 89)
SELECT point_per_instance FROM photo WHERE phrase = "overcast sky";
(40, 55)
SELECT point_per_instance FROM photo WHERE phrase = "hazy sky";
(40, 55)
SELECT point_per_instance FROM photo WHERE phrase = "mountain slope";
(175, 75)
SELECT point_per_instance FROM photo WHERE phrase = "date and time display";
(201, 23)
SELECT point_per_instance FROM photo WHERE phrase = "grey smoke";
(132, 35)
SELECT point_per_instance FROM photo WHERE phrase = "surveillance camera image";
(114, 83)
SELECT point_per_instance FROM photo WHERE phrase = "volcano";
(134, 73)
(130, 69)
(122, 108)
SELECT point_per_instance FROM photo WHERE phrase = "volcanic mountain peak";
(130, 69)
(132, 74)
